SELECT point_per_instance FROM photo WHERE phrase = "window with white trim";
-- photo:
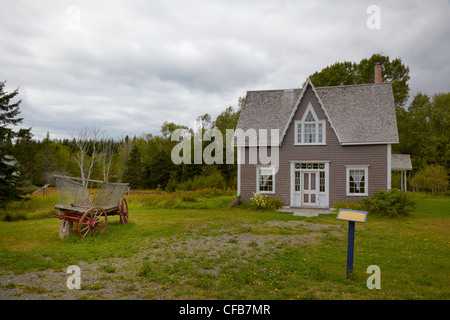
(310, 130)
(265, 179)
(357, 180)
(322, 181)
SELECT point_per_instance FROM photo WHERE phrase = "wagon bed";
(89, 203)
(75, 209)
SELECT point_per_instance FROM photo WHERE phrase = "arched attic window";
(310, 130)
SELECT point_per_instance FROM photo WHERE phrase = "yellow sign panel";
(352, 215)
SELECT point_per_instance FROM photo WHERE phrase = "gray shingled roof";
(400, 162)
(268, 109)
(360, 114)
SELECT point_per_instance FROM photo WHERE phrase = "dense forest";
(145, 161)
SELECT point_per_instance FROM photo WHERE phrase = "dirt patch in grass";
(167, 268)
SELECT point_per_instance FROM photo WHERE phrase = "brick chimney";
(378, 74)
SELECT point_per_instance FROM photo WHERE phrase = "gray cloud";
(129, 66)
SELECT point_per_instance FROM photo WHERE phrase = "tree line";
(145, 162)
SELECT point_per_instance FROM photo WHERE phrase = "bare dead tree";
(107, 152)
(87, 137)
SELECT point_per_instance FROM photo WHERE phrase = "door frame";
(322, 197)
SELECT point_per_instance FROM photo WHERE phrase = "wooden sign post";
(351, 216)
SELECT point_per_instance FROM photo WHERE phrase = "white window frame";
(316, 122)
(258, 176)
(366, 180)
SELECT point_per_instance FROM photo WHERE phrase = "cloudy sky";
(128, 66)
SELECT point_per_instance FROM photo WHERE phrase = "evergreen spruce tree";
(9, 167)
(134, 169)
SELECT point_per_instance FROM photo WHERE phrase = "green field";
(195, 246)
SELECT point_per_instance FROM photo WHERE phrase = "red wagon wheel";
(123, 210)
(93, 222)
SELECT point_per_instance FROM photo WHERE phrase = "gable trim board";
(308, 83)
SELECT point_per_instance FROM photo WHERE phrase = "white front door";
(309, 185)
(310, 191)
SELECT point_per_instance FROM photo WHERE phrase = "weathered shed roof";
(360, 114)
(400, 162)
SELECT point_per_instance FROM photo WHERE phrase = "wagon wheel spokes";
(93, 222)
(123, 210)
(85, 231)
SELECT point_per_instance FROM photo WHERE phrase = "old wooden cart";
(89, 203)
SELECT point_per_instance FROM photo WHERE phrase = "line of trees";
(424, 132)
(143, 162)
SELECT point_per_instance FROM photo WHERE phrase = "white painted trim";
(323, 197)
(273, 179)
(347, 180)
(292, 188)
(255, 145)
(389, 174)
(308, 82)
(239, 171)
(310, 108)
(296, 122)
(327, 183)
(353, 166)
(324, 132)
(295, 109)
(315, 161)
(364, 143)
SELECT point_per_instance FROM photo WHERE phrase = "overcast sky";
(128, 66)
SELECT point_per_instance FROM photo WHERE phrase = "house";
(334, 143)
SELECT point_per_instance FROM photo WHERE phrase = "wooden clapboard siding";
(338, 156)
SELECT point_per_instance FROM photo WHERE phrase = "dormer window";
(310, 130)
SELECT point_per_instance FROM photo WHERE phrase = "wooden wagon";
(89, 203)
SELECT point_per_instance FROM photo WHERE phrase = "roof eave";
(367, 142)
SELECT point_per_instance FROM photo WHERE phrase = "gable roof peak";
(305, 87)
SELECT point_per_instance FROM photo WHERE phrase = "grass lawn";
(201, 248)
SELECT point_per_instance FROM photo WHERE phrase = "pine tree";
(9, 167)
(134, 168)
